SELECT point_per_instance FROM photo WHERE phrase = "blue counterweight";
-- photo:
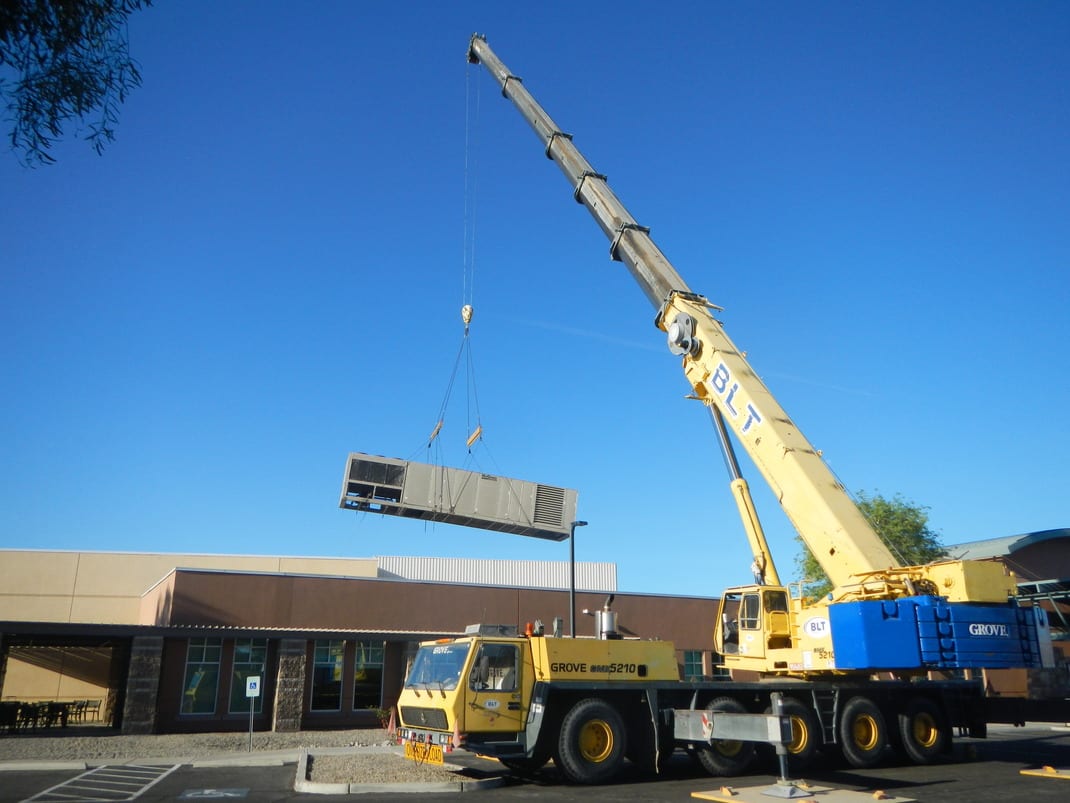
(926, 632)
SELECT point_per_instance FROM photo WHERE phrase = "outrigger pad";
(809, 794)
(1047, 772)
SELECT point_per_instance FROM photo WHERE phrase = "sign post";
(252, 691)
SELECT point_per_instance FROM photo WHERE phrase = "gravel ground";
(368, 767)
(371, 759)
(93, 744)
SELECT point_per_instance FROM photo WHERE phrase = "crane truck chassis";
(853, 670)
(590, 704)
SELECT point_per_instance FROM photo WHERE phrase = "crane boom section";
(631, 243)
(817, 504)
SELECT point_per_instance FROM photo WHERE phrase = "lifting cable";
(446, 495)
(468, 264)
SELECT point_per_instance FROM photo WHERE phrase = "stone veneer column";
(290, 685)
(143, 685)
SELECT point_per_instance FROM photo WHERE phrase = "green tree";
(63, 61)
(901, 524)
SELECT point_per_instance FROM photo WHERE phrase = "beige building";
(166, 642)
(107, 587)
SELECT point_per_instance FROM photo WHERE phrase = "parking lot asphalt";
(979, 771)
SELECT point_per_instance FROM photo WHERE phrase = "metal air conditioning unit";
(456, 496)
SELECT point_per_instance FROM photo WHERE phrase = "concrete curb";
(265, 758)
(274, 758)
(32, 765)
(307, 787)
(315, 788)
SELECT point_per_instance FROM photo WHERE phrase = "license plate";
(424, 753)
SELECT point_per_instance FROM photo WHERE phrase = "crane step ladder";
(825, 704)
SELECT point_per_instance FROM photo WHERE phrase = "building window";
(693, 669)
(327, 663)
(368, 675)
(250, 658)
(719, 670)
(202, 675)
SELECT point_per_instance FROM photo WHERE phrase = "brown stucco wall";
(302, 603)
(399, 612)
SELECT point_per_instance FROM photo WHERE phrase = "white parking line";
(109, 783)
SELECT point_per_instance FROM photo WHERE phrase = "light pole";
(572, 577)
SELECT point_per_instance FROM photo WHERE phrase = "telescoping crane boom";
(821, 510)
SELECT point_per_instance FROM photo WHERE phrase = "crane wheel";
(863, 733)
(526, 766)
(805, 734)
(592, 742)
(725, 756)
(924, 730)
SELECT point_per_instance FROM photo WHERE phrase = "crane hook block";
(466, 314)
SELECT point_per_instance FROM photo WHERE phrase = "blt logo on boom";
(978, 629)
(724, 385)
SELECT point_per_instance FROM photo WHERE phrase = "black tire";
(863, 733)
(592, 742)
(924, 731)
(725, 756)
(806, 736)
(526, 766)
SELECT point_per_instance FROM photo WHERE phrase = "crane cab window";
(775, 600)
(496, 668)
(750, 612)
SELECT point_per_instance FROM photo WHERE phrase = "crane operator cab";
(754, 621)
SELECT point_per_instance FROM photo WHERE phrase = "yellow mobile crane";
(590, 703)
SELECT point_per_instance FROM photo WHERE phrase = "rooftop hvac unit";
(456, 496)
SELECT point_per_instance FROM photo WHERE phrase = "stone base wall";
(290, 685)
(143, 685)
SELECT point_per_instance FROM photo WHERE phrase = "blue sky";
(264, 272)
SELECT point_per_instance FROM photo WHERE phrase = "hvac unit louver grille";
(549, 503)
(377, 472)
